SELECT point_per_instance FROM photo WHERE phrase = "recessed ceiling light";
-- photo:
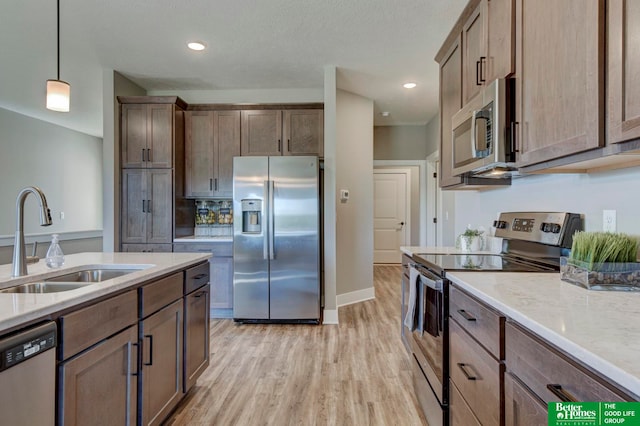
(384, 113)
(196, 45)
(409, 85)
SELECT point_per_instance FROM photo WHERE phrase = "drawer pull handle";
(464, 371)
(150, 336)
(466, 315)
(561, 393)
(199, 276)
(199, 294)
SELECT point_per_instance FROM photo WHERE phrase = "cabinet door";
(133, 135)
(623, 48)
(196, 335)
(99, 387)
(303, 131)
(226, 140)
(474, 59)
(159, 206)
(500, 39)
(450, 103)
(521, 407)
(161, 363)
(261, 132)
(559, 89)
(160, 136)
(199, 153)
(133, 206)
(221, 282)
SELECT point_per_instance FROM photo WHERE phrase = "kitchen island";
(18, 309)
(128, 348)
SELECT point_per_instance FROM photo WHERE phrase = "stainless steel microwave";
(482, 143)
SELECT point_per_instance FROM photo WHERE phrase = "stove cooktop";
(481, 262)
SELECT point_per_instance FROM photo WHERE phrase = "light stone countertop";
(411, 250)
(599, 328)
(194, 239)
(21, 308)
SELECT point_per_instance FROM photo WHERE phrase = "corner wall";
(354, 218)
(64, 163)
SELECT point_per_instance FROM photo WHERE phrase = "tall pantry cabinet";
(152, 203)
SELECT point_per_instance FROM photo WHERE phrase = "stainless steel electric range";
(532, 242)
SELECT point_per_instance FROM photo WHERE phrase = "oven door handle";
(427, 278)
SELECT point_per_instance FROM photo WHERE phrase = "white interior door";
(390, 215)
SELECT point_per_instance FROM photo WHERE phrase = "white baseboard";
(355, 296)
(330, 316)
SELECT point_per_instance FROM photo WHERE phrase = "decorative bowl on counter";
(603, 276)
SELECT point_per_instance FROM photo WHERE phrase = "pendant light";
(58, 91)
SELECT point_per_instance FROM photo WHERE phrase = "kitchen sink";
(74, 280)
(94, 275)
(44, 287)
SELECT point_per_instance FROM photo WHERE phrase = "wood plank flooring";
(356, 373)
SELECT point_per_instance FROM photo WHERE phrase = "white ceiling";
(377, 45)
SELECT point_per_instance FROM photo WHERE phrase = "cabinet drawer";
(217, 249)
(477, 375)
(538, 365)
(521, 407)
(483, 323)
(160, 293)
(460, 413)
(196, 277)
(85, 327)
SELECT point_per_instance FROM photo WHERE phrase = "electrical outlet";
(609, 220)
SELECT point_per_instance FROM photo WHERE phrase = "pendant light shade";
(58, 95)
(58, 91)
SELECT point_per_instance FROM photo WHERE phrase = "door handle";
(478, 83)
(143, 160)
(148, 154)
(482, 62)
(466, 315)
(279, 145)
(148, 206)
(216, 183)
(150, 336)
(265, 197)
(561, 393)
(210, 184)
(462, 366)
(143, 210)
(272, 189)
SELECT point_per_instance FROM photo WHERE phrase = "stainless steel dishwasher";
(28, 376)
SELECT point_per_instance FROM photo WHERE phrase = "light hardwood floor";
(356, 373)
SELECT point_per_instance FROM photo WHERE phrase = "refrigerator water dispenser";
(251, 216)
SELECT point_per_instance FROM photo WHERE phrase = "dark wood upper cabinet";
(261, 132)
(147, 135)
(623, 67)
(559, 78)
(303, 132)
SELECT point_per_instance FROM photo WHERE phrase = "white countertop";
(599, 328)
(194, 239)
(19, 308)
(411, 250)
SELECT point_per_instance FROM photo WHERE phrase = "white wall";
(577, 193)
(400, 142)
(354, 171)
(330, 147)
(65, 164)
(433, 134)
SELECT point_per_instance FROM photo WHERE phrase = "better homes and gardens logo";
(594, 413)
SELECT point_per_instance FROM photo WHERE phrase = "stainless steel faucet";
(19, 256)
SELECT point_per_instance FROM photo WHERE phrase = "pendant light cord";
(58, 30)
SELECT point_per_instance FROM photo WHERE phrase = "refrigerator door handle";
(265, 226)
(271, 224)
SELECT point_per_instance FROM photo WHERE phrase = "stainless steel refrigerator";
(276, 241)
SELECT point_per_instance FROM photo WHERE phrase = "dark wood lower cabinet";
(98, 387)
(196, 335)
(522, 408)
(161, 363)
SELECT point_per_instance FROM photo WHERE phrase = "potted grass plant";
(603, 261)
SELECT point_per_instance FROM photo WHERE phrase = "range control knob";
(545, 227)
(555, 228)
(500, 224)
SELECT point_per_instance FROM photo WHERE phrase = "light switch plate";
(609, 220)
